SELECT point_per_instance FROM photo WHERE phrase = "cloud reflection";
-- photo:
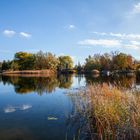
(10, 109)
(25, 107)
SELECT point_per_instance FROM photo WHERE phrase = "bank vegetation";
(110, 113)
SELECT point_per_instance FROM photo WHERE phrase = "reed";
(110, 113)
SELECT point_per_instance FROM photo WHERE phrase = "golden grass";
(111, 113)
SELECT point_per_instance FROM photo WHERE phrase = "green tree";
(112, 61)
(14, 66)
(92, 63)
(51, 61)
(24, 60)
(45, 61)
(105, 61)
(122, 61)
(6, 65)
(89, 64)
(39, 60)
(65, 62)
(0, 66)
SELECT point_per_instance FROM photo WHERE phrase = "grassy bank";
(110, 113)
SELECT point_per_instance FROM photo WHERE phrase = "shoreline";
(26, 73)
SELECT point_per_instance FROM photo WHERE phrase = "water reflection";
(118, 80)
(10, 108)
(23, 85)
(40, 85)
(47, 117)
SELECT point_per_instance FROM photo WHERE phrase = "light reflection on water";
(38, 108)
(10, 108)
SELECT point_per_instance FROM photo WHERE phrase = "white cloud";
(25, 35)
(135, 42)
(114, 40)
(133, 12)
(131, 46)
(116, 35)
(126, 36)
(133, 36)
(100, 42)
(9, 33)
(70, 27)
(120, 35)
(100, 33)
(136, 8)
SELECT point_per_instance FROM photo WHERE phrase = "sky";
(69, 27)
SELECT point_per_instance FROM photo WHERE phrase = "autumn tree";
(92, 62)
(51, 61)
(45, 61)
(14, 65)
(24, 60)
(112, 61)
(122, 61)
(89, 64)
(105, 61)
(65, 62)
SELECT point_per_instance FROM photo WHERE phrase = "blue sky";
(69, 27)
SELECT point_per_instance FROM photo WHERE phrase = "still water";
(40, 108)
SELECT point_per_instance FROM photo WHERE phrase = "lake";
(40, 108)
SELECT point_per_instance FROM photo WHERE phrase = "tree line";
(46, 60)
(37, 61)
(109, 61)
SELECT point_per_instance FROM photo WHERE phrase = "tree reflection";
(118, 80)
(65, 81)
(40, 85)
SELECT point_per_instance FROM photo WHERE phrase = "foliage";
(0, 66)
(38, 61)
(79, 68)
(65, 62)
(122, 61)
(112, 61)
(6, 65)
(52, 61)
(105, 61)
(45, 61)
(14, 66)
(92, 63)
(24, 60)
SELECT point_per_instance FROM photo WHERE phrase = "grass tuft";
(110, 113)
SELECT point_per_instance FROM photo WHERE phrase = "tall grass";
(110, 113)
